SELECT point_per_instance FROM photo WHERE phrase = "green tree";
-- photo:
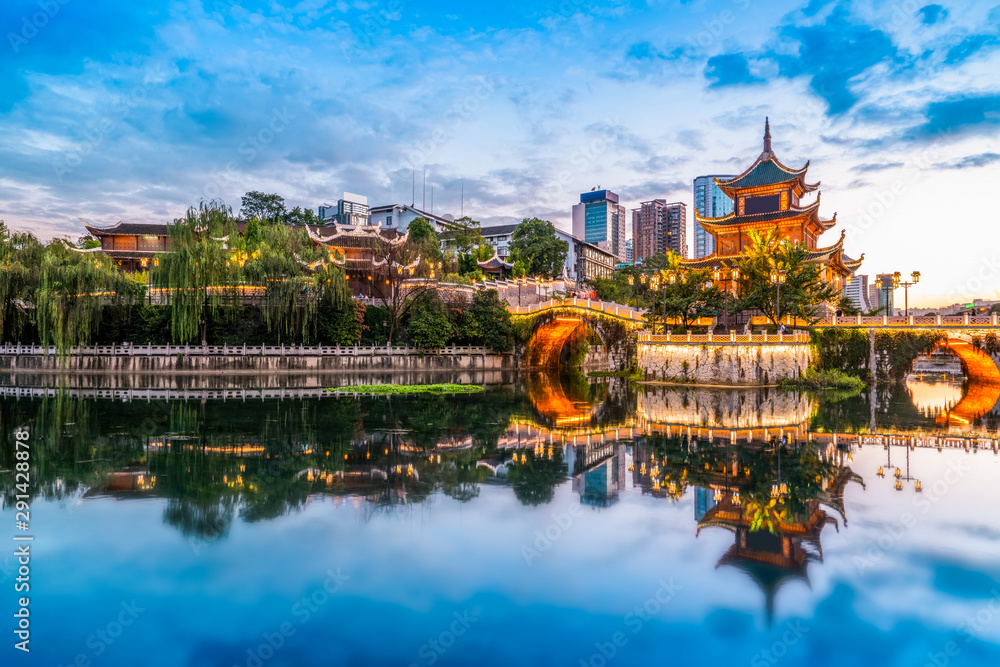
(72, 292)
(256, 204)
(197, 261)
(298, 216)
(488, 320)
(466, 235)
(802, 291)
(20, 263)
(847, 307)
(430, 326)
(535, 243)
(690, 297)
(422, 235)
(520, 269)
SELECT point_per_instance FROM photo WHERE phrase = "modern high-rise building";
(857, 292)
(709, 202)
(880, 298)
(629, 252)
(599, 219)
(658, 227)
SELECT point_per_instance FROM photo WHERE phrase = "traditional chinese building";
(133, 246)
(367, 254)
(494, 267)
(768, 197)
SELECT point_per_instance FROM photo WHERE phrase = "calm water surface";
(554, 521)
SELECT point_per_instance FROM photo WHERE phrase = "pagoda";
(768, 197)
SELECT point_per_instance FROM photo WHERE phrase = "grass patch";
(823, 380)
(387, 389)
(633, 375)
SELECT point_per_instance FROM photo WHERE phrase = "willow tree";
(20, 264)
(802, 291)
(199, 260)
(272, 255)
(73, 289)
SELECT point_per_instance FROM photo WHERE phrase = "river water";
(548, 520)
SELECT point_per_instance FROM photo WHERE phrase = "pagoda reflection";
(776, 498)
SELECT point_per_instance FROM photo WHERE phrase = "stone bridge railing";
(730, 338)
(915, 321)
(616, 310)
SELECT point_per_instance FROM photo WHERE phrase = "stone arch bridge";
(555, 324)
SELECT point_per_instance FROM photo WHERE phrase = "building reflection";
(775, 497)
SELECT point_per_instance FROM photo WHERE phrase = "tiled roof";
(130, 229)
(775, 216)
(764, 172)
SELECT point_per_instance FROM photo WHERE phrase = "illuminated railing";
(604, 307)
(919, 321)
(730, 338)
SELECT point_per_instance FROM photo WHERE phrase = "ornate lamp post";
(726, 276)
(654, 284)
(915, 278)
(777, 277)
(887, 286)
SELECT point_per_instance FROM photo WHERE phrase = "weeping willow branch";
(72, 292)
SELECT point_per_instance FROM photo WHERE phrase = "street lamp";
(915, 278)
(777, 277)
(887, 285)
(726, 276)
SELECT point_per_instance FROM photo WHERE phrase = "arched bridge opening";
(982, 392)
(553, 343)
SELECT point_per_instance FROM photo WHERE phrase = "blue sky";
(135, 111)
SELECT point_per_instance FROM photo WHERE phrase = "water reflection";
(746, 496)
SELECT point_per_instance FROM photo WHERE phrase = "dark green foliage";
(846, 350)
(535, 243)
(828, 379)
(423, 235)
(430, 325)
(896, 350)
(487, 320)
(376, 326)
(341, 326)
(269, 207)
(849, 350)
(991, 344)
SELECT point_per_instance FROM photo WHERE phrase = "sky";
(135, 111)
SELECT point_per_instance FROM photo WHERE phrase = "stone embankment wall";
(723, 363)
(96, 364)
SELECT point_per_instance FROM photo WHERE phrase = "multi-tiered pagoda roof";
(767, 197)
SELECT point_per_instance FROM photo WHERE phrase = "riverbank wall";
(724, 363)
(248, 360)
